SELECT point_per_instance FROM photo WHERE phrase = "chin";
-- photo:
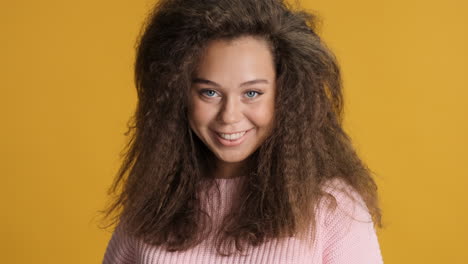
(232, 158)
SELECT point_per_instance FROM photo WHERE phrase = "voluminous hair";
(155, 194)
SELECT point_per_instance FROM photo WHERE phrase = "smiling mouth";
(232, 136)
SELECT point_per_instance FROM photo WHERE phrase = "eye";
(208, 93)
(253, 94)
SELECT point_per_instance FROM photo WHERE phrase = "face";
(231, 100)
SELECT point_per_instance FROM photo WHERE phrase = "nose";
(230, 111)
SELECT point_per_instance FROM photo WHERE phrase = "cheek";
(262, 115)
(200, 114)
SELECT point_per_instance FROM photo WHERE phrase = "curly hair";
(155, 194)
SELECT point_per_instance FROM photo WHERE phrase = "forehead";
(240, 59)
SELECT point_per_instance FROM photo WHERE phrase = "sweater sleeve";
(120, 249)
(350, 237)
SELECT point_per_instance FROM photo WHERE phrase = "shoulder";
(120, 248)
(342, 201)
(346, 227)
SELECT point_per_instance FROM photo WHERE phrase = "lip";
(231, 132)
(231, 143)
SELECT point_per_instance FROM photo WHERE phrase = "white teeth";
(232, 136)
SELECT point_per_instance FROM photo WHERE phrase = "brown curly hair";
(155, 194)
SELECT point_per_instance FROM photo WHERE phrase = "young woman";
(237, 152)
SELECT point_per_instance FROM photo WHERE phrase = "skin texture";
(233, 91)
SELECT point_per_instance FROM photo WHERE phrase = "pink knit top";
(343, 236)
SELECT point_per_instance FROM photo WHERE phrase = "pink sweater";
(343, 236)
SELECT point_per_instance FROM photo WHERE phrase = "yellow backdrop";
(67, 93)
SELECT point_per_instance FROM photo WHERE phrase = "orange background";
(67, 94)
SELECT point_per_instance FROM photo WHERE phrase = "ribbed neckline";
(233, 178)
(229, 180)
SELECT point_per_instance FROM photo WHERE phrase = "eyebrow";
(204, 81)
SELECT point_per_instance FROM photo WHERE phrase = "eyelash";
(204, 91)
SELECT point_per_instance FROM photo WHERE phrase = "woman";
(237, 153)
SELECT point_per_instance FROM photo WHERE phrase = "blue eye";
(208, 93)
(252, 94)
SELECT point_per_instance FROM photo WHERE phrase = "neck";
(216, 168)
(225, 170)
